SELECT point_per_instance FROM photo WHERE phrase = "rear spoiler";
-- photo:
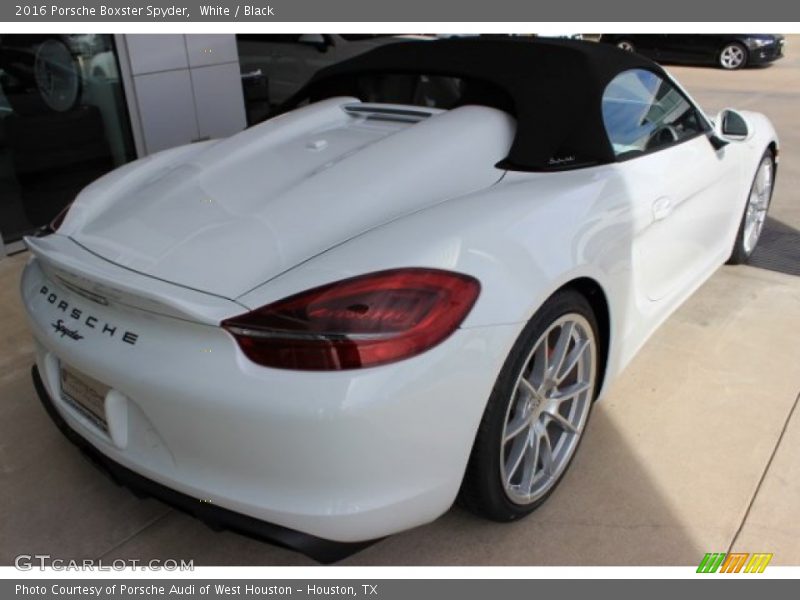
(72, 266)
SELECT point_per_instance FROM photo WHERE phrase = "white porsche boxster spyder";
(408, 287)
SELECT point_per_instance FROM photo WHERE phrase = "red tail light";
(360, 322)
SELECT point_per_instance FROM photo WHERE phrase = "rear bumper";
(325, 551)
(346, 456)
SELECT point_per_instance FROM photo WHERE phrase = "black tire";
(482, 490)
(738, 47)
(740, 255)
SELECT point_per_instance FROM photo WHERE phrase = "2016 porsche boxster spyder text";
(408, 287)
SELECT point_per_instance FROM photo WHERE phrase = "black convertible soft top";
(554, 89)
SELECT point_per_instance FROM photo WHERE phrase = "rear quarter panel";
(522, 239)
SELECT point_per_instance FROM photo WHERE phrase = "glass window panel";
(63, 123)
(643, 113)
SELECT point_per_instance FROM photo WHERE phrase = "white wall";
(181, 88)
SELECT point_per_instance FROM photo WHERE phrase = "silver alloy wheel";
(625, 45)
(548, 409)
(732, 56)
(757, 205)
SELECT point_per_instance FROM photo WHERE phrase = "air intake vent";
(390, 112)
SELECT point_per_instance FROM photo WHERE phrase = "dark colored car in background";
(728, 51)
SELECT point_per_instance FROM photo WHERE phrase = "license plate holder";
(85, 394)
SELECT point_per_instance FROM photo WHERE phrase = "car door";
(645, 44)
(690, 47)
(678, 187)
(674, 47)
(656, 46)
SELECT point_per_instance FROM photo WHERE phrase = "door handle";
(662, 208)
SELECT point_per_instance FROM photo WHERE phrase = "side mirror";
(731, 125)
(316, 40)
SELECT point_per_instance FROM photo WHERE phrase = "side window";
(642, 113)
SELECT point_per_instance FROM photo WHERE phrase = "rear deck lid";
(227, 216)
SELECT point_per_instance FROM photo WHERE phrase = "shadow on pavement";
(778, 249)
(607, 511)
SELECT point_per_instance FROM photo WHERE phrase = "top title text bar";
(182, 11)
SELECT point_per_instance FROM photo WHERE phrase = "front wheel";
(732, 56)
(755, 213)
(537, 413)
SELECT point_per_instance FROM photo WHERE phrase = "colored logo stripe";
(758, 563)
(711, 562)
(734, 562)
